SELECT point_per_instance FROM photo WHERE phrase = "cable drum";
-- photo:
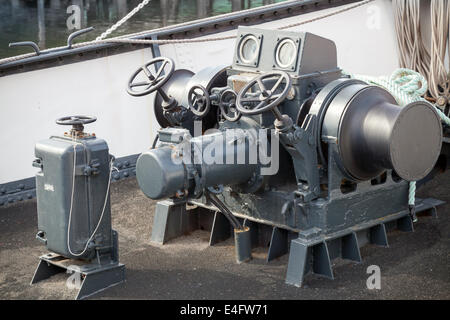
(373, 133)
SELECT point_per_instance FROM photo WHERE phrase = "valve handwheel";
(152, 81)
(264, 99)
(75, 120)
(227, 105)
(199, 101)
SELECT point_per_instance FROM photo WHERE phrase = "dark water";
(45, 21)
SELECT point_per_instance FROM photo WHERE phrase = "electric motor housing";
(61, 190)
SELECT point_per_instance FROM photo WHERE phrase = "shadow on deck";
(415, 266)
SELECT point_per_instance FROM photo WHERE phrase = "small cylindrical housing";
(204, 161)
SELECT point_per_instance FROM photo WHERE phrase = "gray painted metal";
(17, 191)
(221, 229)
(243, 245)
(313, 53)
(330, 195)
(313, 252)
(35, 47)
(94, 278)
(167, 171)
(54, 189)
(278, 244)
(378, 235)
(73, 205)
(178, 86)
(171, 221)
(191, 30)
(374, 134)
(25, 189)
(175, 88)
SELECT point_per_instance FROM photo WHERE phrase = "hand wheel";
(151, 81)
(227, 105)
(75, 120)
(263, 100)
(198, 101)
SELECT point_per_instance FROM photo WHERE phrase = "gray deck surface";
(415, 266)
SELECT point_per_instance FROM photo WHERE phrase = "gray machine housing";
(54, 191)
(315, 207)
(57, 181)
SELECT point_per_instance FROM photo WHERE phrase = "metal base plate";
(313, 251)
(310, 251)
(89, 277)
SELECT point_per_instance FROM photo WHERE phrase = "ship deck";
(415, 266)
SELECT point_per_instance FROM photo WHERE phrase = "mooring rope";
(406, 86)
(440, 23)
(414, 54)
(123, 20)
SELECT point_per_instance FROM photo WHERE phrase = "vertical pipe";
(237, 5)
(41, 23)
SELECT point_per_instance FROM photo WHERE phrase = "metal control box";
(74, 213)
(73, 197)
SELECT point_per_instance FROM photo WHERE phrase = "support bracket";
(90, 278)
(171, 221)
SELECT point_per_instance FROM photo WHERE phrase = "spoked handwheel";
(150, 81)
(77, 122)
(227, 105)
(263, 99)
(199, 101)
